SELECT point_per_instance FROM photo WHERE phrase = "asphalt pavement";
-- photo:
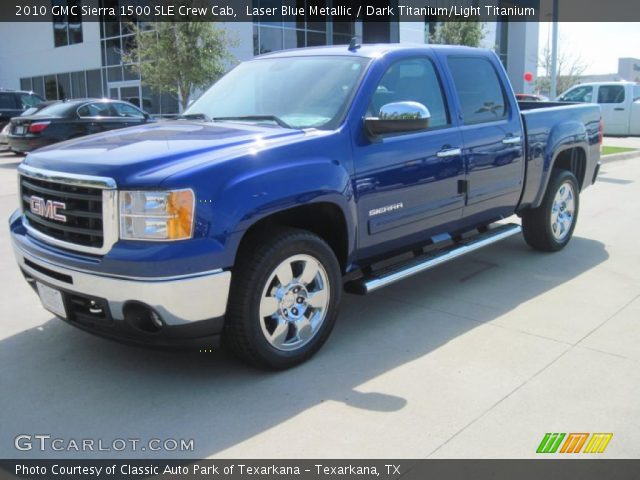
(477, 358)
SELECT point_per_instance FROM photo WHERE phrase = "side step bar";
(395, 273)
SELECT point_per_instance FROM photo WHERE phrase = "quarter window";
(412, 80)
(611, 94)
(479, 90)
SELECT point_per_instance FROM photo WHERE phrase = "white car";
(619, 103)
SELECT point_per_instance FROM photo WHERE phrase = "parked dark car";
(14, 102)
(4, 133)
(71, 119)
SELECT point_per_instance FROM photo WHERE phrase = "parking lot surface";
(476, 358)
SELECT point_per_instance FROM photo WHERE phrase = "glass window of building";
(67, 23)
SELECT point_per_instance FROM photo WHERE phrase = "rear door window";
(611, 94)
(482, 98)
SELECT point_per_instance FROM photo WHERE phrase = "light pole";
(554, 53)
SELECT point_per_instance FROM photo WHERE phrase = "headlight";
(156, 215)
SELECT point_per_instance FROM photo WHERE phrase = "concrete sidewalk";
(477, 358)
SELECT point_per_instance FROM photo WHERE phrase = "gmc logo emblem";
(47, 208)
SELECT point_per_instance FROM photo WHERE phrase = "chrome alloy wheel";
(563, 211)
(294, 302)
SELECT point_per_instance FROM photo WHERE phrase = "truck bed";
(551, 128)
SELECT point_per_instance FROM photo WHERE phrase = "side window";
(479, 90)
(412, 80)
(124, 110)
(8, 101)
(95, 110)
(611, 94)
(636, 93)
(578, 94)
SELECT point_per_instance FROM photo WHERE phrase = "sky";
(598, 44)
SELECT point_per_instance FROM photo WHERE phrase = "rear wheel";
(550, 226)
(284, 299)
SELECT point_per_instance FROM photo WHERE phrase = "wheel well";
(324, 219)
(573, 160)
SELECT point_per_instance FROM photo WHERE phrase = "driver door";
(406, 185)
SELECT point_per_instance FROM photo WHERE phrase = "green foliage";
(179, 57)
(467, 32)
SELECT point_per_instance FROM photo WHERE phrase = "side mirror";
(398, 117)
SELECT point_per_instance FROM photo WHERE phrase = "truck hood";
(145, 155)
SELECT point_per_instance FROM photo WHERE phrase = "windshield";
(301, 92)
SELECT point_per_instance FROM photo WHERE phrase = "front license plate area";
(51, 299)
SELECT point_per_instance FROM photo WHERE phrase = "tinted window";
(124, 110)
(98, 109)
(8, 100)
(578, 94)
(479, 90)
(611, 94)
(58, 109)
(412, 80)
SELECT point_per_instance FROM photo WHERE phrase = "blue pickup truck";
(296, 176)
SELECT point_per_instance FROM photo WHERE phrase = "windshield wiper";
(272, 118)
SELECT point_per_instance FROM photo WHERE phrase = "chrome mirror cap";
(404, 111)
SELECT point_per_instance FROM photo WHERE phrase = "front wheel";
(550, 226)
(284, 298)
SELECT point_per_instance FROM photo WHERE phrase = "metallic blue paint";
(244, 173)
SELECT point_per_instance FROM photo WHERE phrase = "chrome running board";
(394, 273)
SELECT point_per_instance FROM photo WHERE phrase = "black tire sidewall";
(286, 246)
(561, 177)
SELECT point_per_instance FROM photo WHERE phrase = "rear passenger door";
(492, 138)
(613, 105)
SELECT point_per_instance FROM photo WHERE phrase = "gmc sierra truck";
(296, 176)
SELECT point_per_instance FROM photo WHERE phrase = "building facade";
(68, 58)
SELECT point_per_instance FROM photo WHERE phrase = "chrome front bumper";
(178, 300)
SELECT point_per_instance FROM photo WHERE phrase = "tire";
(284, 298)
(550, 226)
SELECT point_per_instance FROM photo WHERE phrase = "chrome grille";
(87, 222)
(83, 211)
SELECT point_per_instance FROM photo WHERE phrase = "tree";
(179, 57)
(568, 70)
(460, 32)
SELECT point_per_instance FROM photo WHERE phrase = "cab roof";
(366, 50)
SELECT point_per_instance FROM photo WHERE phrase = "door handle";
(619, 109)
(449, 152)
(512, 140)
